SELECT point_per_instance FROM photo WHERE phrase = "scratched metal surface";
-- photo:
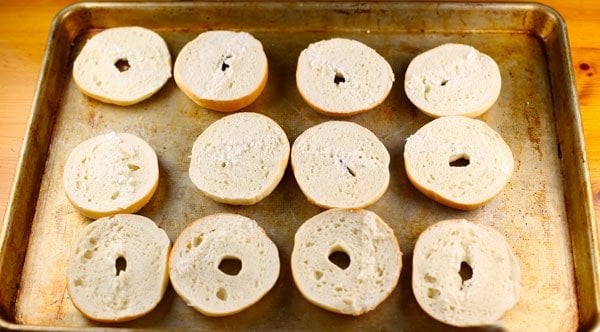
(531, 211)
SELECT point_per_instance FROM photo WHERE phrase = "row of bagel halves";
(344, 260)
(227, 70)
(241, 158)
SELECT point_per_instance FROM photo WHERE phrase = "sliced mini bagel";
(346, 260)
(464, 274)
(458, 161)
(342, 77)
(340, 164)
(240, 158)
(222, 70)
(118, 268)
(109, 174)
(123, 66)
(453, 79)
(222, 264)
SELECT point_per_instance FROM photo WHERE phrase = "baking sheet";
(544, 206)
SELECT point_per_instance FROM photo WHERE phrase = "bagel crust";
(478, 298)
(108, 291)
(123, 66)
(195, 264)
(374, 265)
(430, 154)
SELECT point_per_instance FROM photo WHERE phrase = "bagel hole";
(122, 65)
(351, 171)
(444, 82)
(340, 258)
(465, 272)
(230, 266)
(348, 169)
(459, 161)
(120, 264)
(339, 78)
(225, 65)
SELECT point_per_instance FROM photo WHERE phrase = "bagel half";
(464, 274)
(197, 266)
(222, 70)
(343, 77)
(240, 158)
(340, 164)
(109, 174)
(118, 268)
(371, 268)
(458, 161)
(123, 66)
(453, 79)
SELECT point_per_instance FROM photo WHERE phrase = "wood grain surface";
(24, 28)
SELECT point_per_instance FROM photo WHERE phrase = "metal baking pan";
(545, 211)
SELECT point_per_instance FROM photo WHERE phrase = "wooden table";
(24, 29)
